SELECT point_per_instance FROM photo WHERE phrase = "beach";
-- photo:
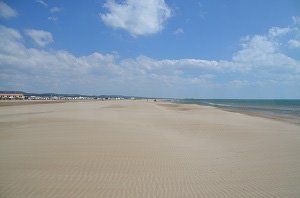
(139, 148)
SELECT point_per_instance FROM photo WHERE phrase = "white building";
(11, 96)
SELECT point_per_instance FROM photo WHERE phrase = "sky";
(153, 48)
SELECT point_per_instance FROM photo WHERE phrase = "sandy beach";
(144, 149)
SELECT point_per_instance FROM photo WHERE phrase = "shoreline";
(278, 117)
(288, 118)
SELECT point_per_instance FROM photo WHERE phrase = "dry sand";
(28, 102)
(145, 149)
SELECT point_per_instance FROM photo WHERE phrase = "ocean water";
(278, 107)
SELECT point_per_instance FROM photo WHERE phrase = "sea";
(266, 107)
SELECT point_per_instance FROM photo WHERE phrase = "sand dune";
(145, 149)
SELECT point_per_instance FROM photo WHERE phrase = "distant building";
(11, 96)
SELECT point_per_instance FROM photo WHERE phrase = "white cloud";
(256, 49)
(278, 31)
(262, 55)
(296, 20)
(40, 37)
(294, 43)
(56, 9)
(137, 17)
(6, 11)
(53, 18)
(178, 31)
(10, 40)
(258, 63)
(42, 3)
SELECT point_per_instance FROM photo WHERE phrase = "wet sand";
(145, 149)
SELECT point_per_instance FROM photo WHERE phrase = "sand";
(145, 149)
(28, 102)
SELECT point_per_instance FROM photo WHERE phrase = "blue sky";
(195, 48)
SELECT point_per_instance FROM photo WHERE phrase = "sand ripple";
(144, 149)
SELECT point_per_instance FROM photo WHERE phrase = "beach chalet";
(4, 96)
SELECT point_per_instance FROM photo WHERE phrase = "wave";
(280, 107)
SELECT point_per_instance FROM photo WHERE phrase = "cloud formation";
(40, 37)
(6, 11)
(137, 17)
(42, 3)
(56, 9)
(296, 20)
(53, 10)
(294, 43)
(53, 18)
(278, 31)
(178, 31)
(260, 63)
